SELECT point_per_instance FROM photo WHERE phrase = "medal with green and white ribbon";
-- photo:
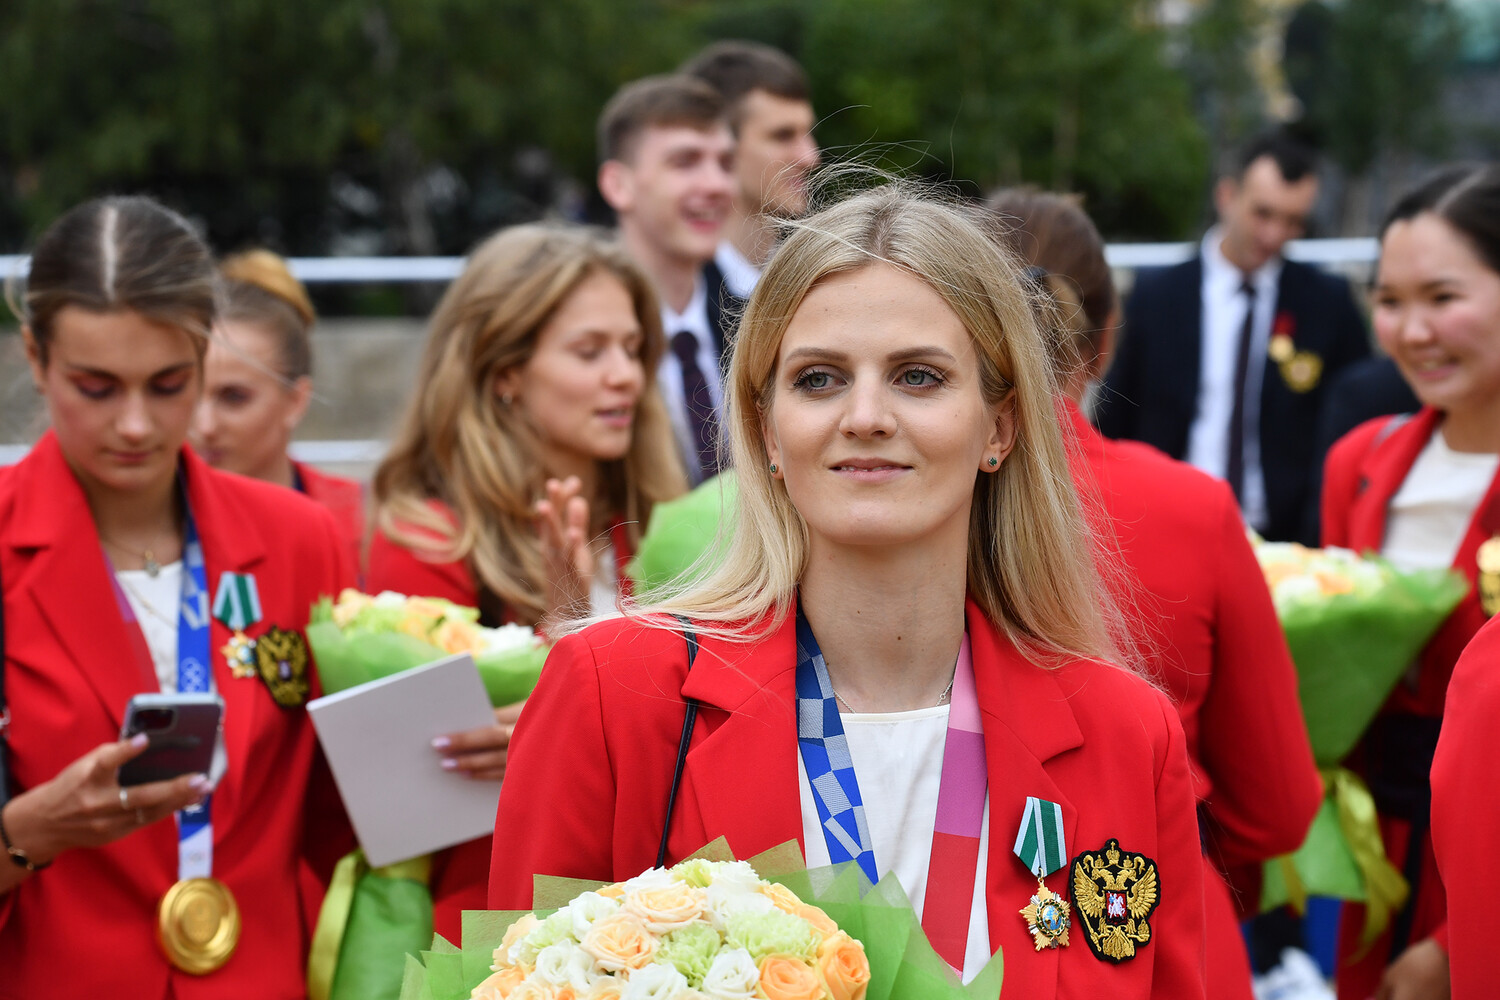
(1042, 849)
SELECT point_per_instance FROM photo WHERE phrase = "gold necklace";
(148, 557)
(942, 698)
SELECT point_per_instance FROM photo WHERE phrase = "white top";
(1431, 513)
(604, 589)
(1222, 320)
(155, 602)
(694, 319)
(898, 757)
(740, 275)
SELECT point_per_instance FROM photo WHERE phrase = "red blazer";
(593, 755)
(1364, 470)
(1465, 819)
(344, 498)
(87, 924)
(1189, 578)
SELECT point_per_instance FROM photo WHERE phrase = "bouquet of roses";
(683, 537)
(362, 638)
(1354, 624)
(372, 917)
(704, 929)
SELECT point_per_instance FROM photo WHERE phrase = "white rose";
(651, 878)
(552, 963)
(389, 599)
(655, 982)
(724, 900)
(732, 976)
(589, 907)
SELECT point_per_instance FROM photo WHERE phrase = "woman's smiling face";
(876, 422)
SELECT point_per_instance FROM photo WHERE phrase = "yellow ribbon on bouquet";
(1385, 888)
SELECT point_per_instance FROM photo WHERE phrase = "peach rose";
(618, 943)
(498, 986)
(785, 899)
(668, 908)
(822, 922)
(844, 967)
(787, 977)
(613, 891)
(456, 637)
(605, 989)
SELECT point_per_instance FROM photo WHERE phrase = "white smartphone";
(181, 730)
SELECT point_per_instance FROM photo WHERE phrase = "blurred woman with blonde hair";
(258, 384)
(902, 658)
(527, 463)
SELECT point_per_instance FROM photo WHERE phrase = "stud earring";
(994, 461)
(773, 468)
(507, 398)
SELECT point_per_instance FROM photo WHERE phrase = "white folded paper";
(378, 739)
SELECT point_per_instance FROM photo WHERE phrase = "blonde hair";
(260, 289)
(460, 444)
(1029, 566)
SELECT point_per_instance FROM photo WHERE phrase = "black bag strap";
(688, 721)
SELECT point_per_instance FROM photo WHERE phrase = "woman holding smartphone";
(907, 615)
(129, 567)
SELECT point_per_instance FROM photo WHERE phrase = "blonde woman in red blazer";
(906, 529)
(116, 351)
(1437, 313)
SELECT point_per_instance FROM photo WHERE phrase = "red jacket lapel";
(748, 698)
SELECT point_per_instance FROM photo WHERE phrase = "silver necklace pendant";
(152, 567)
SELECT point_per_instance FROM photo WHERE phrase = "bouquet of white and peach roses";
(710, 928)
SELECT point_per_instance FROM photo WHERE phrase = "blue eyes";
(915, 377)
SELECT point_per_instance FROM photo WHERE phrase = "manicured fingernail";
(139, 740)
(449, 764)
(200, 784)
(441, 743)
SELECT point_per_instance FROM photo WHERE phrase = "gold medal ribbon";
(333, 918)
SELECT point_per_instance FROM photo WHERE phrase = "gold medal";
(198, 925)
(1281, 348)
(1301, 371)
(1047, 918)
(1489, 575)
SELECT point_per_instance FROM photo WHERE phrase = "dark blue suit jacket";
(1151, 391)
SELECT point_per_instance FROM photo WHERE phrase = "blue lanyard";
(825, 756)
(194, 676)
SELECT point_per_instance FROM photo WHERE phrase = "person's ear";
(301, 393)
(1003, 437)
(1226, 190)
(616, 185)
(33, 357)
(773, 447)
(507, 386)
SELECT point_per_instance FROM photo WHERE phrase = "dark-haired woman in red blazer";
(1424, 492)
(96, 524)
(908, 577)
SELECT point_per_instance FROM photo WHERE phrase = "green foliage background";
(250, 114)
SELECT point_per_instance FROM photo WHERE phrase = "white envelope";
(378, 739)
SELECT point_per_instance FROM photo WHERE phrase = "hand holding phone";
(182, 731)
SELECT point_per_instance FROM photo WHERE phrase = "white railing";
(402, 270)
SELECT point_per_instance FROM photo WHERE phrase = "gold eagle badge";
(281, 658)
(1115, 891)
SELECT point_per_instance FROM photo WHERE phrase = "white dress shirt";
(740, 275)
(693, 319)
(1222, 320)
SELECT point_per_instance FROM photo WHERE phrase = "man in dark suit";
(666, 159)
(1224, 359)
